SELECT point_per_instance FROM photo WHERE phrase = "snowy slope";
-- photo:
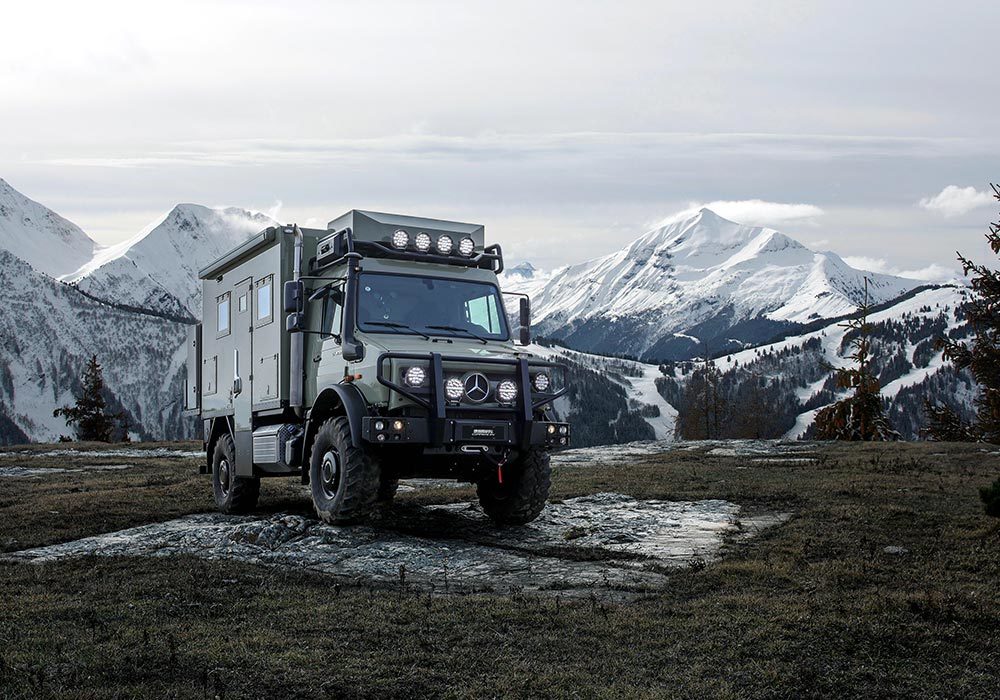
(641, 389)
(52, 334)
(158, 268)
(925, 304)
(700, 279)
(39, 236)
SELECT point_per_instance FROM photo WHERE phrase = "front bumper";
(452, 424)
(463, 432)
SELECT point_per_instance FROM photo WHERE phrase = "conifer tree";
(981, 357)
(860, 416)
(89, 415)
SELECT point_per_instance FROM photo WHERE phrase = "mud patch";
(605, 543)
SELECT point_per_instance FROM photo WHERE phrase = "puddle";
(46, 471)
(605, 542)
(129, 453)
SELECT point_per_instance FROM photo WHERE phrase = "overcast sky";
(567, 128)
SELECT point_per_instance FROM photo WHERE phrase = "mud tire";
(344, 479)
(521, 498)
(233, 494)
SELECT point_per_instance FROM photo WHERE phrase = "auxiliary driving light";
(397, 425)
(453, 388)
(552, 430)
(400, 239)
(466, 246)
(422, 242)
(445, 244)
(507, 391)
(379, 425)
(415, 376)
(541, 381)
(563, 430)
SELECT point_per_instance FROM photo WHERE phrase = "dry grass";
(814, 608)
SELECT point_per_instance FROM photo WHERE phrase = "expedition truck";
(374, 350)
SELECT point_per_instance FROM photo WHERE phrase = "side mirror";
(525, 321)
(352, 350)
(296, 322)
(294, 291)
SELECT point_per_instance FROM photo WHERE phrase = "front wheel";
(343, 477)
(522, 495)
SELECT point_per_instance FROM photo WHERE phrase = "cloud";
(755, 212)
(955, 201)
(931, 273)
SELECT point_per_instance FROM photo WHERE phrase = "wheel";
(521, 497)
(233, 494)
(343, 477)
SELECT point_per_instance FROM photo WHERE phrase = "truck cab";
(377, 349)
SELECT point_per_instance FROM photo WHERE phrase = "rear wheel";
(233, 494)
(522, 495)
(343, 477)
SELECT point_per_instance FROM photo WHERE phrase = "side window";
(483, 313)
(332, 315)
(265, 308)
(223, 324)
(242, 304)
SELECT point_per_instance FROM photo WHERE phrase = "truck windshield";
(390, 303)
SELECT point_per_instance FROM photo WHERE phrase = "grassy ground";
(814, 608)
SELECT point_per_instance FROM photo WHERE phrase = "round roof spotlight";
(445, 244)
(453, 388)
(541, 381)
(507, 391)
(415, 376)
(466, 246)
(400, 239)
(422, 242)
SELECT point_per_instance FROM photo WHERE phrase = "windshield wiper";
(391, 324)
(480, 338)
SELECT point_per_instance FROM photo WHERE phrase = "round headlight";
(379, 425)
(422, 242)
(541, 381)
(400, 239)
(453, 388)
(415, 376)
(397, 425)
(507, 391)
(445, 244)
(466, 246)
(552, 429)
(563, 430)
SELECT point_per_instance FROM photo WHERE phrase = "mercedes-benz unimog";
(375, 350)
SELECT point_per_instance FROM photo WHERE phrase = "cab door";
(331, 358)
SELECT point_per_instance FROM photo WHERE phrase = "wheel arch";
(337, 400)
(214, 429)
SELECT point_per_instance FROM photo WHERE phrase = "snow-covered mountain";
(158, 268)
(694, 281)
(50, 330)
(39, 236)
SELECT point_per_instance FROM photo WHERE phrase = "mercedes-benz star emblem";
(477, 387)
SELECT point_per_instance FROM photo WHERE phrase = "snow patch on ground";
(603, 542)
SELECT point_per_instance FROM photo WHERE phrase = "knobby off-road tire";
(344, 479)
(233, 494)
(521, 498)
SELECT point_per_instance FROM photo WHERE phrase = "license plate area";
(481, 431)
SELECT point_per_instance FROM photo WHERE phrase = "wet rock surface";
(605, 543)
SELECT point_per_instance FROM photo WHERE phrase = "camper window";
(223, 314)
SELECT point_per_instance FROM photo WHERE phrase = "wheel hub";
(225, 476)
(330, 473)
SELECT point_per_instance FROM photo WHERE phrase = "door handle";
(237, 380)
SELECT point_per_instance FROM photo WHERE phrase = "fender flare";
(347, 397)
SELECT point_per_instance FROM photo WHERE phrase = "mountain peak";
(36, 234)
